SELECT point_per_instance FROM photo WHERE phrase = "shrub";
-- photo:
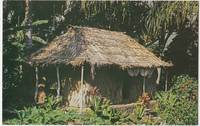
(179, 104)
(102, 108)
(144, 111)
(185, 87)
(138, 114)
(49, 113)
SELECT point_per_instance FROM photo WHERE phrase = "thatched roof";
(97, 47)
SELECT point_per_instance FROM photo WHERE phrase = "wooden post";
(58, 82)
(143, 86)
(158, 76)
(82, 71)
(36, 83)
(166, 80)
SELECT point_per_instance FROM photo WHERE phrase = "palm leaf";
(39, 40)
(40, 22)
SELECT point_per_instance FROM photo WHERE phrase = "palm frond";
(39, 22)
(39, 40)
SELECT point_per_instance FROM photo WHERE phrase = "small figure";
(41, 92)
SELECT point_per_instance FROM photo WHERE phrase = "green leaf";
(39, 40)
(40, 22)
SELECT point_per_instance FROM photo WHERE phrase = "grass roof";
(96, 47)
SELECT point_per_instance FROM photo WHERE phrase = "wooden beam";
(81, 105)
(166, 80)
(58, 81)
(36, 83)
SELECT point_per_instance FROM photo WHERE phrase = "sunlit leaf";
(40, 22)
(39, 40)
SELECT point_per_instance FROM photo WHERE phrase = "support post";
(58, 82)
(36, 83)
(166, 80)
(158, 76)
(81, 105)
(143, 91)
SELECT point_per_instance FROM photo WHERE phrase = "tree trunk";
(36, 84)
(28, 23)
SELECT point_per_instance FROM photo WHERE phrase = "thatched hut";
(87, 59)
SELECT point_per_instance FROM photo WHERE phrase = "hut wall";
(112, 83)
(106, 81)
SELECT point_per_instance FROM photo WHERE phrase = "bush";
(102, 108)
(49, 113)
(186, 87)
(144, 113)
(100, 114)
(179, 104)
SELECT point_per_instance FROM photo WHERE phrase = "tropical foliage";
(50, 113)
(102, 108)
(169, 29)
(179, 104)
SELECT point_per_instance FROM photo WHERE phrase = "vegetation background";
(169, 29)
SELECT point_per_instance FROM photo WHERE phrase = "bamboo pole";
(143, 91)
(166, 80)
(36, 83)
(81, 105)
(58, 81)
